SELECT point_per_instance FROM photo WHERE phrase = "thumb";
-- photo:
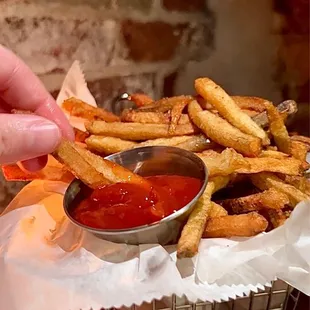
(25, 136)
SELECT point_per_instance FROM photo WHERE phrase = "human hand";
(27, 137)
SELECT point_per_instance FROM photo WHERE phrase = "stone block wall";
(159, 47)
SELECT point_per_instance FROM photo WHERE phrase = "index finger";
(21, 89)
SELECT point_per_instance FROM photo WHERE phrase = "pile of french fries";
(256, 168)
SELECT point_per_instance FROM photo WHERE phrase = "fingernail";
(46, 135)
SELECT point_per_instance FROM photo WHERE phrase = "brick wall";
(159, 46)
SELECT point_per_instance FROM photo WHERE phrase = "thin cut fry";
(228, 109)
(278, 129)
(290, 166)
(192, 231)
(267, 180)
(93, 170)
(243, 225)
(273, 154)
(299, 150)
(80, 108)
(300, 183)
(276, 217)
(217, 210)
(302, 139)
(176, 113)
(140, 100)
(134, 116)
(166, 104)
(136, 131)
(225, 163)
(108, 145)
(250, 103)
(214, 127)
(269, 199)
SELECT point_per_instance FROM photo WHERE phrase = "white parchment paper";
(48, 263)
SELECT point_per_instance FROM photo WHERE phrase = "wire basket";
(280, 296)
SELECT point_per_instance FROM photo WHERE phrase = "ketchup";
(126, 205)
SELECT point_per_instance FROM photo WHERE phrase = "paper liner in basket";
(76, 270)
(48, 263)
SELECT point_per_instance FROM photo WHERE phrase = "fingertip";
(35, 164)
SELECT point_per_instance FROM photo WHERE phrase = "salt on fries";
(256, 168)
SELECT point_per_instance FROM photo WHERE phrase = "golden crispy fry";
(287, 165)
(269, 199)
(173, 141)
(300, 183)
(137, 131)
(134, 116)
(217, 210)
(250, 103)
(91, 169)
(278, 129)
(228, 109)
(191, 234)
(273, 154)
(288, 107)
(299, 150)
(53, 171)
(221, 132)
(176, 113)
(108, 145)
(166, 104)
(302, 139)
(224, 163)
(267, 180)
(243, 225)
(140, 100)
(79, 108)
(276, 217)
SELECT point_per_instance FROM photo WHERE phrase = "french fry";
(176, 113)
(166, 104)
(266, 180)
(80, 108)
(273, 154)
(290, 166)
(302, 139)
(299, 150)
(243, 225)
(137, 131)
(214, 127)
(134, 116)
(287, 107)
(217, 210)
(228, 109)
(299, 182)
(140, 100)
(108, 145)
(278, 129)
(93, 170)
(268, 199)
(225, 163)
(276, 217)
(185, 142)
(191, 234)
(250, 103)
